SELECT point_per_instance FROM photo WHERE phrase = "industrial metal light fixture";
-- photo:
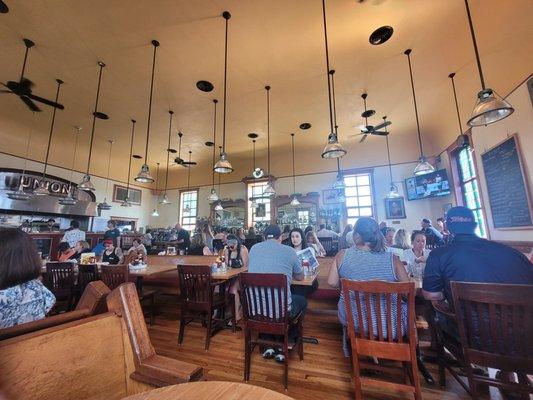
(223, 166)
(339, 180)
(488, 108)
(423, 167)
(105, 205)
(86, 183)
(393, 189)
(257, 172)
(165, 201)
(294, 201)
(69, 200)
(187, 208)
(144, 175)
(155, 212)
(269, 188)
(126, 202)
(213, 196)
(218, 206)
(333, 148)
(42, 190)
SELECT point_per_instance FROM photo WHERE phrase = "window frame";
(250, 215)
(181, 215)
(373, 205)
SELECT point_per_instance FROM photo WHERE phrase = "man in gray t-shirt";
(272, 257)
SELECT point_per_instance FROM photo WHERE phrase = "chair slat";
(389, 316)
(377, 300)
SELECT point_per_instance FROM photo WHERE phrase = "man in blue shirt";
(469, 258)
(433, 236)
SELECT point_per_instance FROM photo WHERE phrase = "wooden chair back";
(195, 286)
(87, 273)
(60, 278)
(495, 323)
(376, 328)
(114, 275)
(264, 302)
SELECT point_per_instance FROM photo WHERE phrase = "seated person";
(136, 247)
(389, 236)
(433, 237)
(469, 258)
(416, 256)
(81, 247)
(65, 252)
(312, 241)
(285, 234)
(198, 246)
(23, 298)
(326, 232)
(368, 261)
(112, 255)
(236, 257)
(400, 243)
(272, 257)
(297, 243)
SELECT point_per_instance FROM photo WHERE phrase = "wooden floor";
(323, 374)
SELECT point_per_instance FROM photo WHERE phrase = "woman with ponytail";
(369, 261)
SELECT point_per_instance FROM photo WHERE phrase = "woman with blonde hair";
(312, 241)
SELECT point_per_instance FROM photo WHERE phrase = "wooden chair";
(115, 275)
(495, 323)
(329, 245)
(382, 336)
(87, 273)
(60, 280)
(199, 301)
(265, 311)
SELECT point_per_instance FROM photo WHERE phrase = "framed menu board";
(507, 185)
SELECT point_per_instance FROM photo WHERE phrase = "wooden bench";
(103, 356)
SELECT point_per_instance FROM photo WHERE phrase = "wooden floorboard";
(323, 374)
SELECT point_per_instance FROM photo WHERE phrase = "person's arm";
(297, 269)
(334, 279)
(433, 283)
(120, 255)
(399, 269)
(244, 256)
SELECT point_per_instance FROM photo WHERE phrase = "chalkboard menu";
(507, 187)
(44, 246)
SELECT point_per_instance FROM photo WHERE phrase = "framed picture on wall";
(395, 208)
(332, 196)
(121, 192)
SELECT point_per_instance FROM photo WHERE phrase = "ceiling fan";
(370, 129)
(23, 88)
(180, 161)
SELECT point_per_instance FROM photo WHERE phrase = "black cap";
(426, 221)
(272, 232)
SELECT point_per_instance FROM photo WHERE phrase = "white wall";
(141, 212)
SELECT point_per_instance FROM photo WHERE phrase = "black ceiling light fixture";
(144, 175)
(393, 189)
(269, 188)
(423, 167)
(305, 126)
(165, 200)
(137, 156)
(213, 196)
(370, 129)
(333, 148)
(126, 202)
(205, 86)
(488, 108)
(86, 183)
(42, 190)
(257, 171)
(23, 88)
(463, 141)
(223, 166)
(69, 199)
(339, 180)
(381, 35)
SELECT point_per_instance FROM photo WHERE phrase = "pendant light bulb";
(294, 201)
(393, 192)
(165, 200)
(219, 207)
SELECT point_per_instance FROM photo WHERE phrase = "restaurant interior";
(143, 143)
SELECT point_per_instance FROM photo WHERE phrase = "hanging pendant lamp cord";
(59, 82)
(155, 44)
(408, 53)
(293, 169)
(73, 159)
(214, 142)
(478, 60)
(157, 178)
(332, 72)
(101, 65)
(388, 152)
(189, 172)
(108, 167)
(131, 153)
(327, 63)
(253, 141)
(225, 81)
(456, 103)
(171, 113)
(30, 133)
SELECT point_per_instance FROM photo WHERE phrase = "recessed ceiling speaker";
(204, 86)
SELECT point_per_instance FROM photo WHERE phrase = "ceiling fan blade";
(47, 102)
(31, 105)
(380, 133)
(382, 125)
(362, 128)
(363, 138)
(185, 163)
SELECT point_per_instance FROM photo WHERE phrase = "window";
(470, 188)
(261, 213)
(359, 197)
(188, 209)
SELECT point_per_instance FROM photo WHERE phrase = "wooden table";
(210, 390)
(307, 281)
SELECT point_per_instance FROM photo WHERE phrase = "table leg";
(423, 369)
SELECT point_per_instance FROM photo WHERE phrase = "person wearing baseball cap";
(469, 258)
(112, 255)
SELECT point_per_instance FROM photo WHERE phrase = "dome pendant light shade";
(223, 166)
(126, 202)
(488, 108)
(19, 194)
(104, 205)
(294, 201)
(42, 190)
(393, 192)
(269, 190)
(333, 148)
(165, 200)
(155, 213)
(423, 167)
(213, 196)
(219, 207)
(86, 184)
(144, 175)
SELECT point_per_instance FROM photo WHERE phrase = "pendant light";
(463, 141)
(165, 199)
(126, 202)
(213, 196)
(155, 212)
(86, 183)
(423, 167)
(144, 175)
(269, 188)
(42, 190)
(488, 108)
(104, 205)
(339, 180)
(69, 199)
(257, 172)
(187, 208)
(223, 166)
(333, 148)
(294, 201)
(393, 189)
(219, 207)
(20, 194)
